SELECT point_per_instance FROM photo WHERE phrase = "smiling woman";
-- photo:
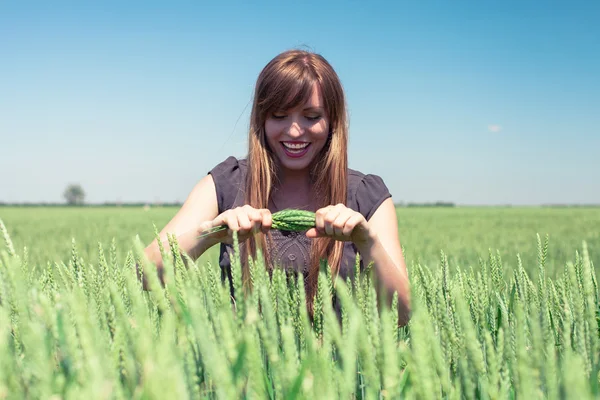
(297, 159)
(298, 134)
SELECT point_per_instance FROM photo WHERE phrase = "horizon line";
(401, 204)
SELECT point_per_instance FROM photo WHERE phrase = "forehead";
(315, 99)
(304, 97)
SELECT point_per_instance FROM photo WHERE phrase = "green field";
(75, 323)
(464, 234)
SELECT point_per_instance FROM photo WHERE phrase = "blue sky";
(471, 102)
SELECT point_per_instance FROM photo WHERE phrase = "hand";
(341, 223)
(244, 220)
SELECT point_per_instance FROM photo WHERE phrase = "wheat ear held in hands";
(284, 220)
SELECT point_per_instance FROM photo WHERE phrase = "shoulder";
(229, 176)
(229, 167)
(366, 192)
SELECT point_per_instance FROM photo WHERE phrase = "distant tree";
(74, 194)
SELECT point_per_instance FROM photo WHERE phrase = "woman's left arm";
(376, 240)
(383, 248)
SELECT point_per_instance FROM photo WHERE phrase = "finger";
(255, 217)
(267, 220)
(329, 220)
(244, 223)
(351, 223)
(219, 220)
(313, 233)
(206, 225)
(320, 219)
(228, 218)
(233, 222)
(341, 221)
(340, 207)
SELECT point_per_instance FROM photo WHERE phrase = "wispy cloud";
(494, 128)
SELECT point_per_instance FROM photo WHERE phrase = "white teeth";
(295, 146)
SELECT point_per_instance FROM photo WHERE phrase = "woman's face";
(296, 136)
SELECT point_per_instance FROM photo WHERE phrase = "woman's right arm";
(200, 211)
(200, 206)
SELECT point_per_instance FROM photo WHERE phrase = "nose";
(295, 129)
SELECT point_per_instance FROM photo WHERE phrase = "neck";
(294, 190)
(294, 180)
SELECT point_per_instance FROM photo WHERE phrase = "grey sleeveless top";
(291, 249)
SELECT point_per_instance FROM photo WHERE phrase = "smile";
(295, 150)
(295, 145)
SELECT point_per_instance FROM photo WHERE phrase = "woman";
(297, 158)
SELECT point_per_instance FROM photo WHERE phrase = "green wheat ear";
(284, 220)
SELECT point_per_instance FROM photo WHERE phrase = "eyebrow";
(313, 109)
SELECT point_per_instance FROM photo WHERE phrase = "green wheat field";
(505, 305)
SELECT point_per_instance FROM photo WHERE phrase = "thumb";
(313, 233)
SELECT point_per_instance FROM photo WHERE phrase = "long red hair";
(286, 82)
